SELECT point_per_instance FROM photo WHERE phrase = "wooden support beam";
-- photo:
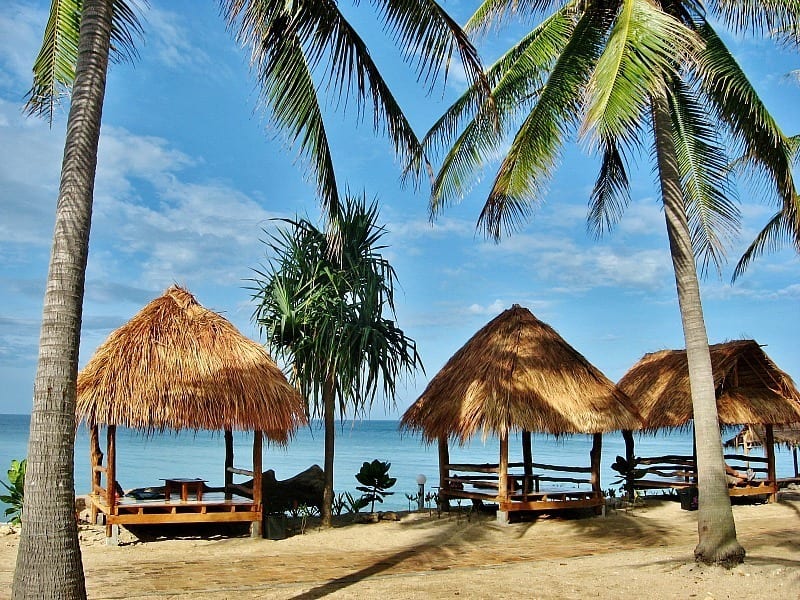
(111, 474)
(255, 525)
(96, 461)
(769, 445)
(228, 463)
(444, 472)
(596, 453)
(502, 487)
(527, 461)
(627, 435)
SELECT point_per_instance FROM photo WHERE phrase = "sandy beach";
(645, 552)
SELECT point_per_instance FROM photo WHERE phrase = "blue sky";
(190, 172)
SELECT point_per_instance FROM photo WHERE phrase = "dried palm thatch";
(176, 365)
(754, 435)
(750, 388)
(517, 373)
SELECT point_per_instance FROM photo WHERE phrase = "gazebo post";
(229, 464)
(502, 479)
(255, 526)
(96, 460)
(597, 447)
(527, 460)
(444, 473)
(627, 435)
(111, 482)
(794, 455)
(769, 445)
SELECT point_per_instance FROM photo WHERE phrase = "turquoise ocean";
(142, 461)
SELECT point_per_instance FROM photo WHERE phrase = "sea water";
(145, 460)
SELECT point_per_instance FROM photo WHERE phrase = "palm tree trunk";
(716, 528)
(329, 404)
(49, 558)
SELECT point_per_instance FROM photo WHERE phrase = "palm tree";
(305, 53)
(49, 558)
(619, 73)
(324, 313)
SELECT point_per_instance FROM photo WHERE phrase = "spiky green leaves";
(327, 313)
(54, 69)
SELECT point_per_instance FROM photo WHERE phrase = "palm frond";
(526, 168)
(758, 138)
(54, 68)
(756, 16)
(494, 13)
(611, 192)
(645, 47)
(703, 163)
(771, 238)
(517, 78)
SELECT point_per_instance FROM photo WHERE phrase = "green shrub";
(16, 487)
(374, 479)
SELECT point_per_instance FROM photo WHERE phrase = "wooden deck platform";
(213, 508)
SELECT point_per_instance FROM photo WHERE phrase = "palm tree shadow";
(442, 542)
(435, 543)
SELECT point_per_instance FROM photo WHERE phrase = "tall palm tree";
(620, 73)
(305, 53)
(49, 559)
(325, 313)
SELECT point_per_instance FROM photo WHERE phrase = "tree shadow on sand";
(456, 541)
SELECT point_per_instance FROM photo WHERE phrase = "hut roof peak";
(177, 365)
(518, 373)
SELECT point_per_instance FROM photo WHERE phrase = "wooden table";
(187, 486)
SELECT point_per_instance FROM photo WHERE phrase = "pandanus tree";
(331, 316)
(625, 74)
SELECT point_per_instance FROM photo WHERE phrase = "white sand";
(643, 553)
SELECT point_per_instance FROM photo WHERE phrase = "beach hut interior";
(176, 365)
(517, 374)
(750, 389)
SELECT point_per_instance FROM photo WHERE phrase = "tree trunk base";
(725, 555)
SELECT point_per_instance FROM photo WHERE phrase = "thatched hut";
(750, 390)
(518, 374)
(177, 365)
(753, 436)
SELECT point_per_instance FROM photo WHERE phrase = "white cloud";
(21, 29)
(492, 309)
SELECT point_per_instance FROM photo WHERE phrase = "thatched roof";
(176, 365)
(750, 388)
(754, 435)
(517, 373)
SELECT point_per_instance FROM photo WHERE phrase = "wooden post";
(444, 473)
(769, 446)
(794, 455)
(229, 464)
(597, 446)
(96, 460)
(527, 460)
(502, 478)
(255, 526)
(627, 435)
(111, 475)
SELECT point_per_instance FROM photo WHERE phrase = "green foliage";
(374, 479)
(354, 505)
(627, 470)
(54, 69)
(306, 54)
(16, 488)
(322, 304)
